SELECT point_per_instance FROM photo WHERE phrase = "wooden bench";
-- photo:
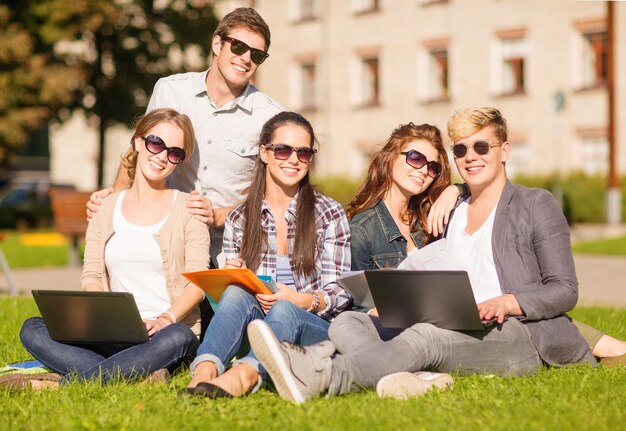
(70, 217)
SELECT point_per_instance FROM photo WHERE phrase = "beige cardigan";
(184, 244)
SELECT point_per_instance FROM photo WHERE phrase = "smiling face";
(154, 168)
(286, 174)
(481, 171)
(407, 180)
(236, 70)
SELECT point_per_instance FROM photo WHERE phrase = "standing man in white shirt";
(227, 113)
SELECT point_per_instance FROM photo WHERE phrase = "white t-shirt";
(473, 253)
(134, 263)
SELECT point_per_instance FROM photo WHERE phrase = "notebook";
(406, 297)
(77, 317)
(215, 281)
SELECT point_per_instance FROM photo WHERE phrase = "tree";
(116, 50)
(33, 85)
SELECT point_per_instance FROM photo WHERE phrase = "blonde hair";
(144, 123)
(469, 121)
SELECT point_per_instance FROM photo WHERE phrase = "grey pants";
(368, 352)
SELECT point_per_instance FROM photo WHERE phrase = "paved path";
(602, 280)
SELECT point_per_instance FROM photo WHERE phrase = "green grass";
(612, 246)
(23, 256)
(573, 398)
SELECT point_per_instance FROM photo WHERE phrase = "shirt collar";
(290, 214)
(244, 101)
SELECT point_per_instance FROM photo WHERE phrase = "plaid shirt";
(332, 256)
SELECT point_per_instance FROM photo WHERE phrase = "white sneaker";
(403, 386)
(298, 373)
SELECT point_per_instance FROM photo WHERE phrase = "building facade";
(359, 68)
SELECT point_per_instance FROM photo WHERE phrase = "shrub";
(582, 197)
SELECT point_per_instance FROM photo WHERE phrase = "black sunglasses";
(155, 145)
(417, 160)
(480, 147)
(284, 151)
(240, 48)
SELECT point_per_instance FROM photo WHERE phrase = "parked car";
(25, 204)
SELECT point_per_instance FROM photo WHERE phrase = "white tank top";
(473, 253)
(134, 263)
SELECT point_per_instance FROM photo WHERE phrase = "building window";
(434, 73)
(364, 6)
(368, 82)
(594, 59)
(595, 155)
(304, 10)
(307, 86)
(513, 66)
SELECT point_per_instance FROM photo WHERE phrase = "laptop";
(355, 284)
(443, 298)
(77, 317)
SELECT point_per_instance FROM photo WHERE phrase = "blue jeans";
(237, 308)
(108, 361)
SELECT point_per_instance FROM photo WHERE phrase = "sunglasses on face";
(155, 145)
(480, 147)
(238, 47)
(417, 160)
(284, 151)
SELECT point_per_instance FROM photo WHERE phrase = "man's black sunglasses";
(417, 160)
(240, 48)
(155, 145)
(480, 147)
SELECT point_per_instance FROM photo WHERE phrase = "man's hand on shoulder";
(201, 208)
(95, 200)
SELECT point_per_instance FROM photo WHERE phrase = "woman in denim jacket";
(414, 202)
(389, 213)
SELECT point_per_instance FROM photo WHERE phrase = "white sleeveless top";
(134, 263)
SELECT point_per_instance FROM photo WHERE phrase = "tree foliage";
(101, 56)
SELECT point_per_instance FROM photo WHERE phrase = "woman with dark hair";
(139, 241)
(285, 229)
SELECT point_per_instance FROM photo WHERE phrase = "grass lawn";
(573, 398)
(612, 246)
(34, 250)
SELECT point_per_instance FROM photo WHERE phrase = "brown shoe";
(22, 381)
(158, 376)
(613, 361)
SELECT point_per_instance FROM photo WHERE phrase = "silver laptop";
(443, 298)
(77, 317)
(355, 284)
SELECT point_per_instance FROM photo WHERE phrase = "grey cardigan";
(533, 258)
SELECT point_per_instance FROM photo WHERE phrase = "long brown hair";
(254, 243)
(379, 179)
(146, 122)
